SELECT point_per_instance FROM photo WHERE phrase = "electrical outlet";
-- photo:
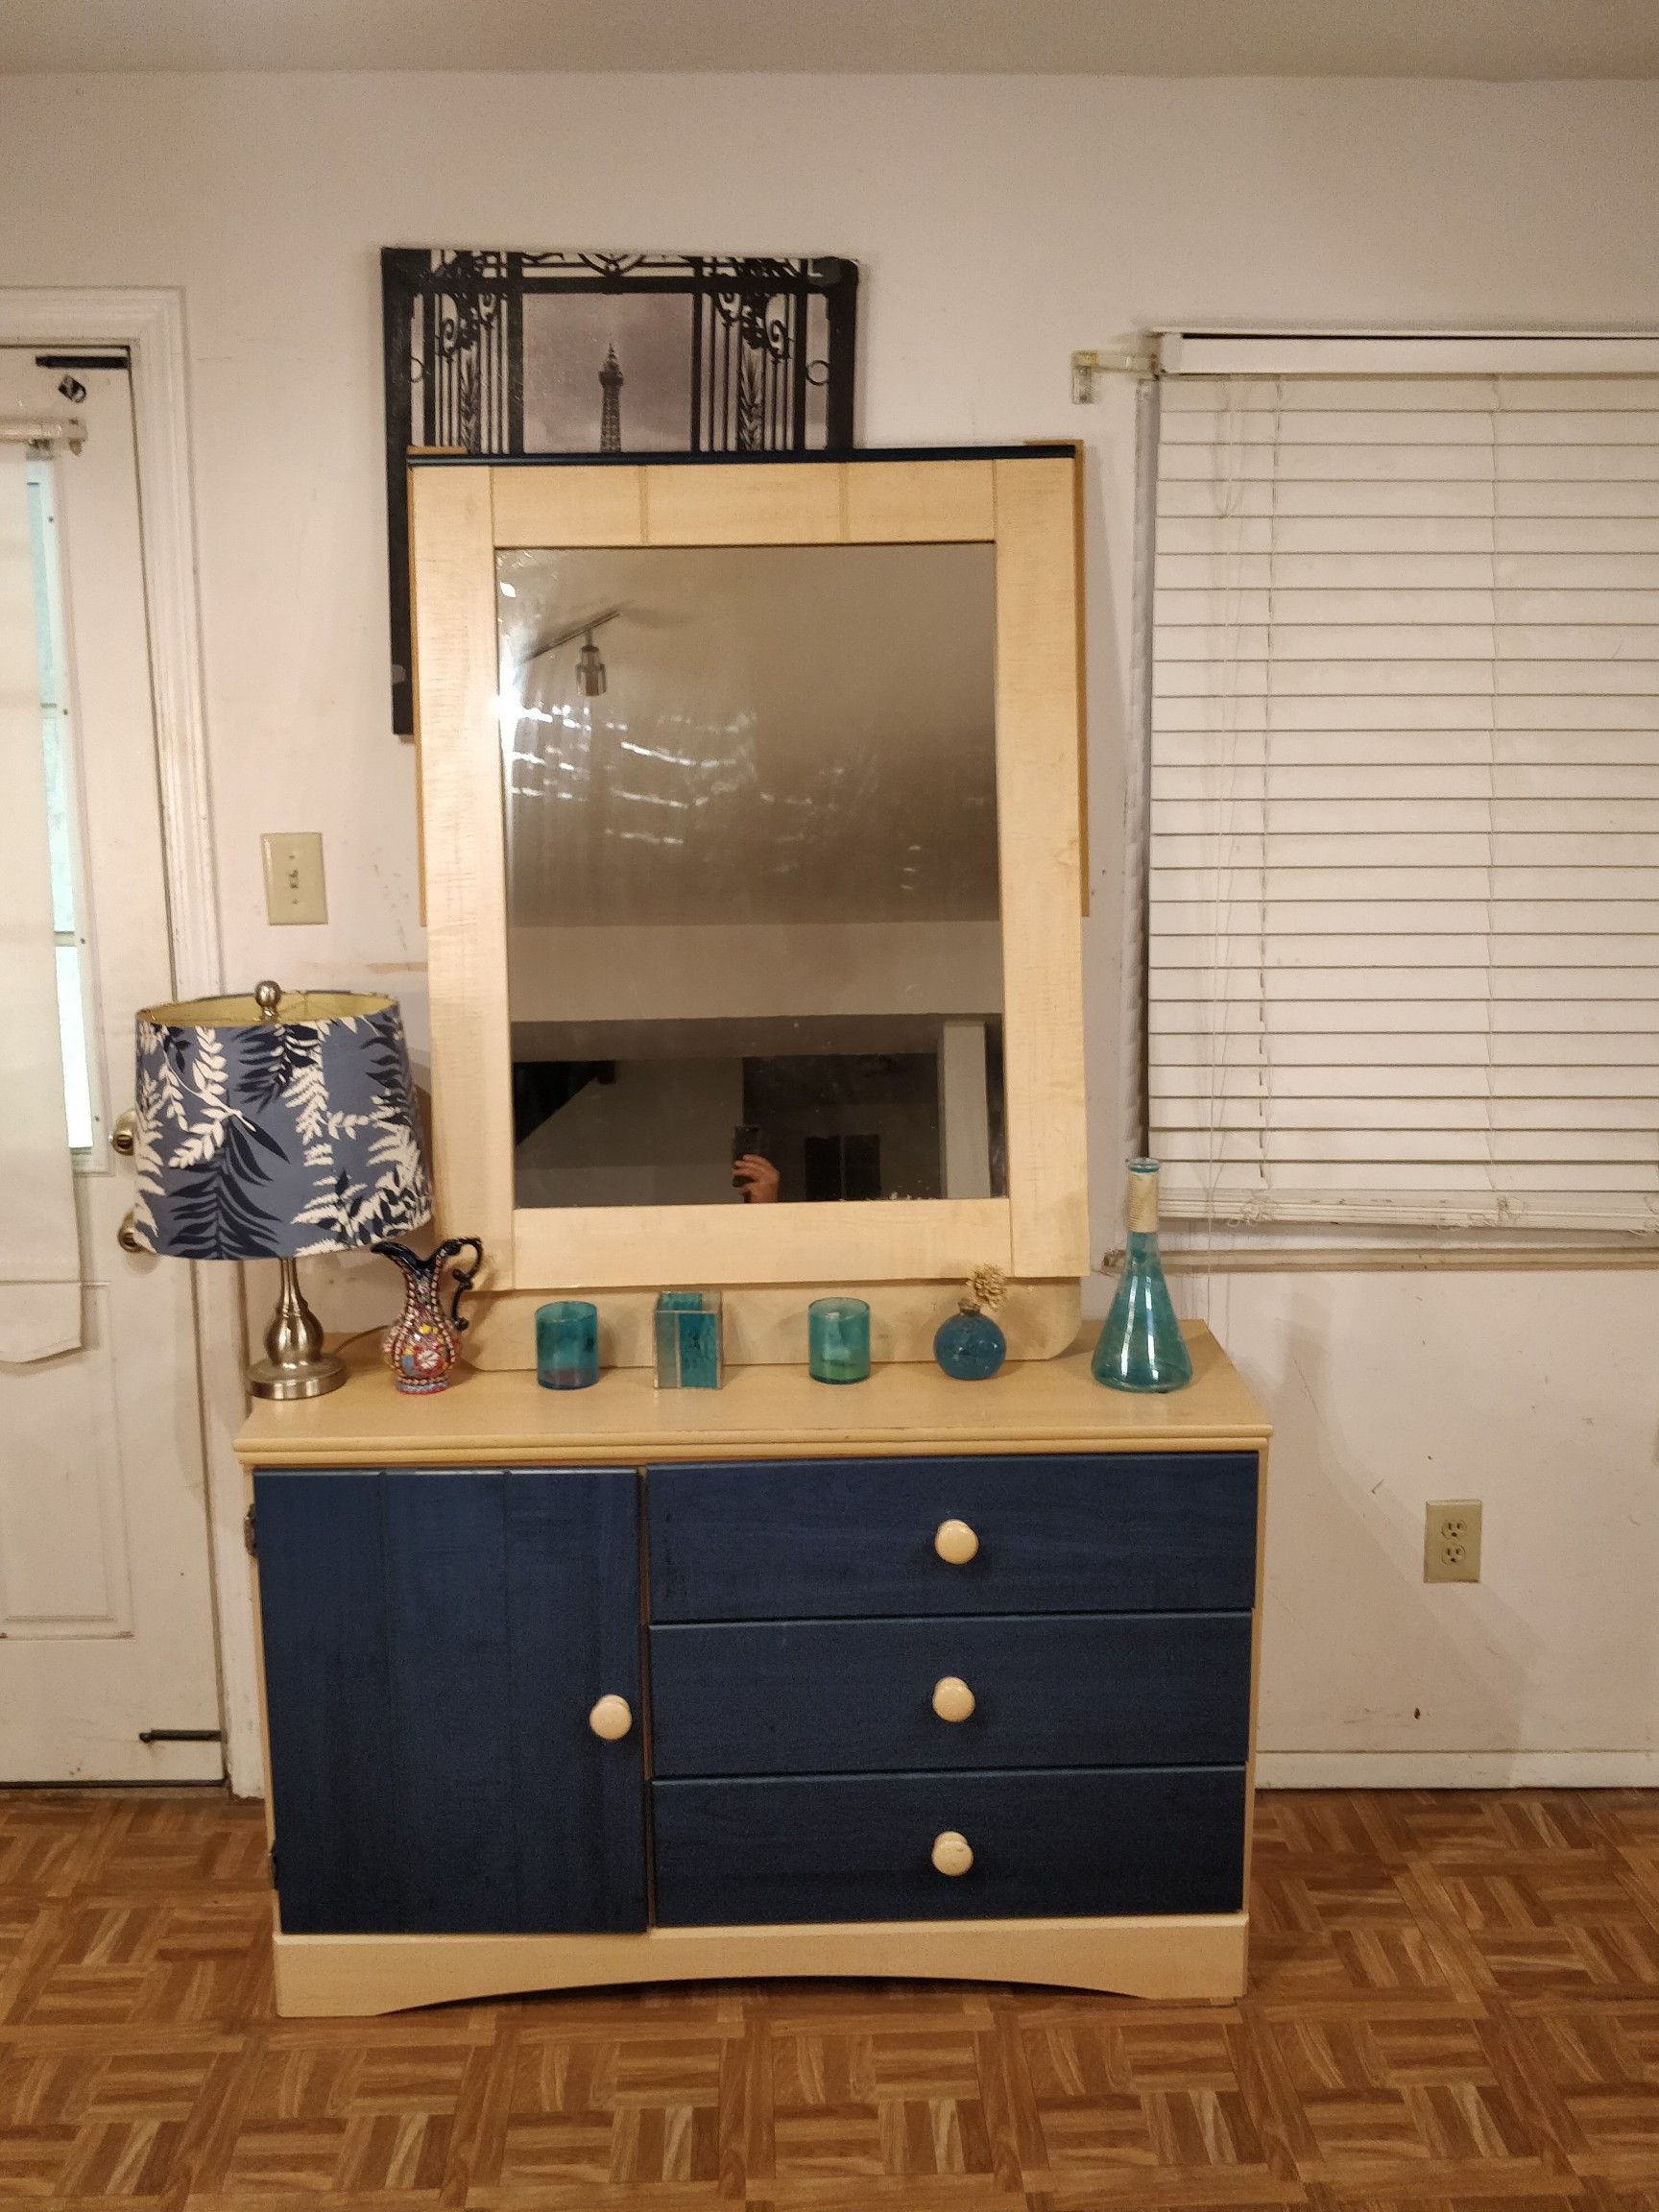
(294, 887)
(1452, 1540)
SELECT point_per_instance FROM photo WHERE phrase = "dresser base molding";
(1185, 1957)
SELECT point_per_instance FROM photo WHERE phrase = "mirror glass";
(754, 940)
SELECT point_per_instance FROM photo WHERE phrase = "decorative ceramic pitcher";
(422, 1344)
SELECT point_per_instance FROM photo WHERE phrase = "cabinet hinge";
(270, 1864)
(248, 1535)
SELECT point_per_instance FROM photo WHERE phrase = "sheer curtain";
(40, 1250)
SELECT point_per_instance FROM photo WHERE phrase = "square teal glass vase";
(687, 1331)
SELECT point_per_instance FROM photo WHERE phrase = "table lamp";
(269, 1127)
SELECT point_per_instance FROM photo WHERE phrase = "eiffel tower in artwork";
(610, 411)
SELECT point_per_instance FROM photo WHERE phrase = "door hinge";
(249, 1535)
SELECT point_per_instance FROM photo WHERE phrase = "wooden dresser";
(910, 1677)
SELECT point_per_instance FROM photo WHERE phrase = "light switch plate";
(294, 887)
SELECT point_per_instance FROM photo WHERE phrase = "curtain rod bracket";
(1087, 366)
(43, 434)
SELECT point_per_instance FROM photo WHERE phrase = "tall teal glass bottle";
(1140, 1346)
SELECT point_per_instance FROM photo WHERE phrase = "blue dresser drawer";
(856, 1696)
(772, 1540)
(1079, 1842)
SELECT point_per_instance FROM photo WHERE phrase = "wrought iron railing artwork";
(634, 354)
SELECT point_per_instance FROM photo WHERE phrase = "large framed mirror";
(749, 805)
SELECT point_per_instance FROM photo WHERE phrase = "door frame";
(150, 323)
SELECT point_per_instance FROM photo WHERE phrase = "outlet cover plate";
(1452, 1540)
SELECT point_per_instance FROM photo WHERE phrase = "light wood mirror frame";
(1022, 501)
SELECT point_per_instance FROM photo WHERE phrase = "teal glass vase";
(970, 1347)
(1140, 1346)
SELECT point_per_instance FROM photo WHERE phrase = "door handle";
(127, 1235)
(123, 1137)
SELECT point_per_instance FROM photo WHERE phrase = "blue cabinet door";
(434, 1641)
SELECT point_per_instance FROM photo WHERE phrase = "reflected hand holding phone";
(753, 1175)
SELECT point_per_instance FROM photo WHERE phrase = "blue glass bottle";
(1140, 1346)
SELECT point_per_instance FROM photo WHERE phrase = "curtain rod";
(1218, 351)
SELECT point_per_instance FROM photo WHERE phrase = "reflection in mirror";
(754, 946)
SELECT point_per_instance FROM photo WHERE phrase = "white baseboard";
(1457, 1770)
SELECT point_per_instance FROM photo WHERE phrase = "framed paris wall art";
(567, 352)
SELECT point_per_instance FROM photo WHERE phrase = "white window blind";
(1404, 840)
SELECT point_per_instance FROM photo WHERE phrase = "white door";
(106, 1652)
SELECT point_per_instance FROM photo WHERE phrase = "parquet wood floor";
(1455, 2003)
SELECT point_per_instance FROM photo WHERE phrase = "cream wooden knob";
(951, 1853)
(953, 1699)
(611, 1717)
(955, 1543)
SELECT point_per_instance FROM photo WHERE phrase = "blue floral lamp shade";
(273, 1126)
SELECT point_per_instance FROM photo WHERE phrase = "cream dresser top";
(498, 1417)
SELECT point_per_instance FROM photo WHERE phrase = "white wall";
(1000, 222)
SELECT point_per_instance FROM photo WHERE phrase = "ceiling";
(1475, 39)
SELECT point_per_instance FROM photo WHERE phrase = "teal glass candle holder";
(838, 1339)
(687, 1345)
(567, 1344)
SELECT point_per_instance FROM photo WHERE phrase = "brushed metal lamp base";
(294, 1364)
